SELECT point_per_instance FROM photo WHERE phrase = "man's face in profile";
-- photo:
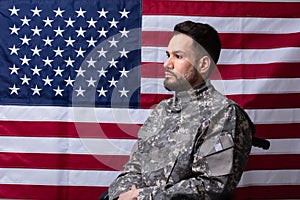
(181, 66)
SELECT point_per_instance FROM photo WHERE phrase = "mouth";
(169, 73)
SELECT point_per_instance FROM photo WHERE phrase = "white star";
(113, 82)
(102, 92)
(102, 72)
(102, 32)
(69, 81)
(36, 71)
(69, 62)
(91, 82)
(58, 91)
(124, 33)
(124, 13)
(58, 52)
(92, 23)
(25, 40)
(48, 22)
(124, 72)
(47, 61)
(80, 92)
(69, 22)
(80, 12)
(102, 53)
(36, 90)
(47, 41)
(58, 31)
(14, 11)
(80, 52)
(69, 42)
(36, 31)
(36, 51)
(47, 81)
(80, 72)
(58, 12)
(14, 89)
(91, 42)
(123, 92)
(25, 60)
(14, 50)
(80, 32)
(58, 71)
(14, 69)
(102, 13)
(25, 21)
(91, 62)
(124, 53)
(14, 29)
(113, 42)
(25, 80)
(36, 11)
(113, 62)
(113, 23)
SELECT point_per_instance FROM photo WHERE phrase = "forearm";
(123, 184)
(192, 188)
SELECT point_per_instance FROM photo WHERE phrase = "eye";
(178, 56)
(168, 55)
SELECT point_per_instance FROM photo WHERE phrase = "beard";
(177, 85)
(180, 83)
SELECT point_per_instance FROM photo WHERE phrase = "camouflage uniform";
(195, 147)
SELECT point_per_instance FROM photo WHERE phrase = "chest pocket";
(218, 154)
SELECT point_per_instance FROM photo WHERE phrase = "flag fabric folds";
(78, 79)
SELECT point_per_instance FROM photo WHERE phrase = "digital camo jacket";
(194, 146)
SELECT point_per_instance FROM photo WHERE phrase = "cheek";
(184, 68)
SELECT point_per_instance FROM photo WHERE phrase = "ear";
(204, 66)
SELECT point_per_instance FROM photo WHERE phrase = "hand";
(132, 194)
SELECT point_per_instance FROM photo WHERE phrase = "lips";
(169, 73)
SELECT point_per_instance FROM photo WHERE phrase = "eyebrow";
(177, 51)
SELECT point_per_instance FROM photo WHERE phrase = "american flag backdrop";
(78, 78)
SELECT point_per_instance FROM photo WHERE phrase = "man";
(195, 145)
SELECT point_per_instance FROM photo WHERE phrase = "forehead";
(180, 42)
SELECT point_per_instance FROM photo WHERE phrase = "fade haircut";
(203, 34)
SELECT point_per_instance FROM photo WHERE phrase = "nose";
(169, 63)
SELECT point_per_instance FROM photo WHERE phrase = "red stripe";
(267, 192)
(62, 161)
(277, 131)
(273, 162)
(267, 101)
(39, 192)
(231, 40)
(69, 129)
(116, 163)
(229, 72)
(247, 101)
(149, 101)
(221, 9)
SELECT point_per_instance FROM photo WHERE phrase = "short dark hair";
(204, 34)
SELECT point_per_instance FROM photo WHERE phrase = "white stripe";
(279, 146)
(27, 113)
(270, 178)
(104, 178)
(233, 87)
(225, 24)
(73, 114)
(234, 56)
(57, 177)
(82, 146)
(275, 116)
